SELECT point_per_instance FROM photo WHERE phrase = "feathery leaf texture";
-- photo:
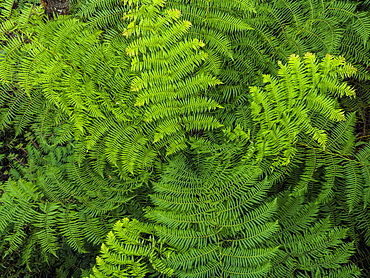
(220, 132)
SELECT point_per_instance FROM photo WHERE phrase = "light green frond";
(284, 108)
(129, 250)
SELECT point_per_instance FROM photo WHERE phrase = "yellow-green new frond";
(129, 250)
(288, 106)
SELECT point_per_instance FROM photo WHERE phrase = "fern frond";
(283, 109)
(127, 241)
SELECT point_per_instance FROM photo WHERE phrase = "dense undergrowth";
(181, 138)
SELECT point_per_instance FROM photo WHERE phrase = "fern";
(68, 81)
(125, 244)
(226, 229)
(177, 113)
(283, 110)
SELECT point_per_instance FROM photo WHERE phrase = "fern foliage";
(145, 106)
(186, 138)
(127, 244)
(286, 109)
(208, 204)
